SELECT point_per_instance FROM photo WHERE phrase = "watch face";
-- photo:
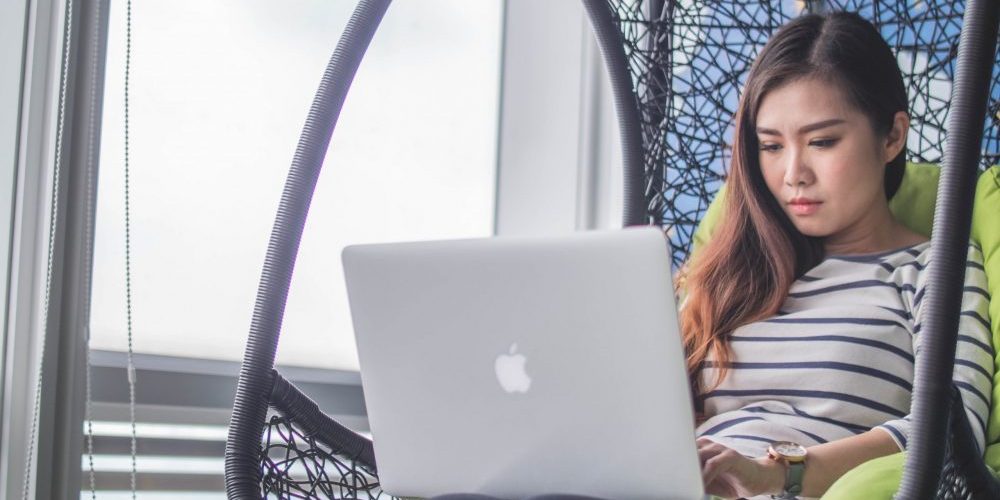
(789, 450)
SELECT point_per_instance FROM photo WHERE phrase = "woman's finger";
(718, 464)
(703, 440)
(709, 451)
(708, 448)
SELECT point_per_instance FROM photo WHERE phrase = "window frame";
(559, 160)
(60, 395)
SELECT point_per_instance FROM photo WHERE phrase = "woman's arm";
(826, 462)
(729, 474)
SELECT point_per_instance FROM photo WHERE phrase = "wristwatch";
(793, 456)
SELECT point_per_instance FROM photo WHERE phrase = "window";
(219, 93)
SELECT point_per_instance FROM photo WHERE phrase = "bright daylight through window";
(219, 94)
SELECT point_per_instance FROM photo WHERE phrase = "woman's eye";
(769, 147)
(823, 143)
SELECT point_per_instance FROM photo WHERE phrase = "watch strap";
(793, 480)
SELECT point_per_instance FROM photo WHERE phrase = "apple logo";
(510, 371)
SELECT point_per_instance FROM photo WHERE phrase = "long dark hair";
(744, 272)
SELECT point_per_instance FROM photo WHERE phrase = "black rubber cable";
(255, 380)
(609, 38)
(932, 385)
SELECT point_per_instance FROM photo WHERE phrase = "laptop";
(518, 366)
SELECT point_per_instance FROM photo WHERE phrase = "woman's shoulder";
(910, 266)
(899, 253)
(921, 251)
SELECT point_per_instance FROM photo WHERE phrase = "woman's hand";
(729, 474)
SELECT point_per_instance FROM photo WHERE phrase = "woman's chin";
(812, 230)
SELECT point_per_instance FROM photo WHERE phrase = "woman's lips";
(804, 208)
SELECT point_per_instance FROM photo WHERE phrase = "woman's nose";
(796, 171)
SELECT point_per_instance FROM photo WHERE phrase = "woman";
(802, 317)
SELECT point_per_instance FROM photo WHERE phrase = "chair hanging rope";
(253, 388)
(609, 38)
(932, 383)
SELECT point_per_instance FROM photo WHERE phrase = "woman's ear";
(895, 141)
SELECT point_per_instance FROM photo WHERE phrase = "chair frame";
(260, 387)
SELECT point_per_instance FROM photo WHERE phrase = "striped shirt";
(838, 358)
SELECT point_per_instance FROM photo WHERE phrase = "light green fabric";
(913, 205)
(986, 231)
(874, 479)
(707, 225)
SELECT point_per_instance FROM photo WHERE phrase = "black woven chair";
(676, 68)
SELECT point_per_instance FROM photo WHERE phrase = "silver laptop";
(518, 366)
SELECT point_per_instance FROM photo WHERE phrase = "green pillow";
(986, 231)
(877, 478)
(913, 205)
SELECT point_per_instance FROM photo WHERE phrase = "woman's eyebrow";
(805, 129)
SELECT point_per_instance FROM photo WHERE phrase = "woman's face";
(821, 159)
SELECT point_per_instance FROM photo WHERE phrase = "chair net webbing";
(689, 60)
(296, 465)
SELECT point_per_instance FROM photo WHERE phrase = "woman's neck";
(877, 233)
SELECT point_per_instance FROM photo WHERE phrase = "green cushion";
(986, 231)
(913, 205)
(877, 478)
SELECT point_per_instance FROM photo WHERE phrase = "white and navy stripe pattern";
(838, 359)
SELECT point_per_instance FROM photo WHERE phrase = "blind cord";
(128, 246)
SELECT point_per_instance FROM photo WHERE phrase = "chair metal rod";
(254, 386)
(609, 39)
(952, 223)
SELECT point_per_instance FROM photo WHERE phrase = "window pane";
(219, 94)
